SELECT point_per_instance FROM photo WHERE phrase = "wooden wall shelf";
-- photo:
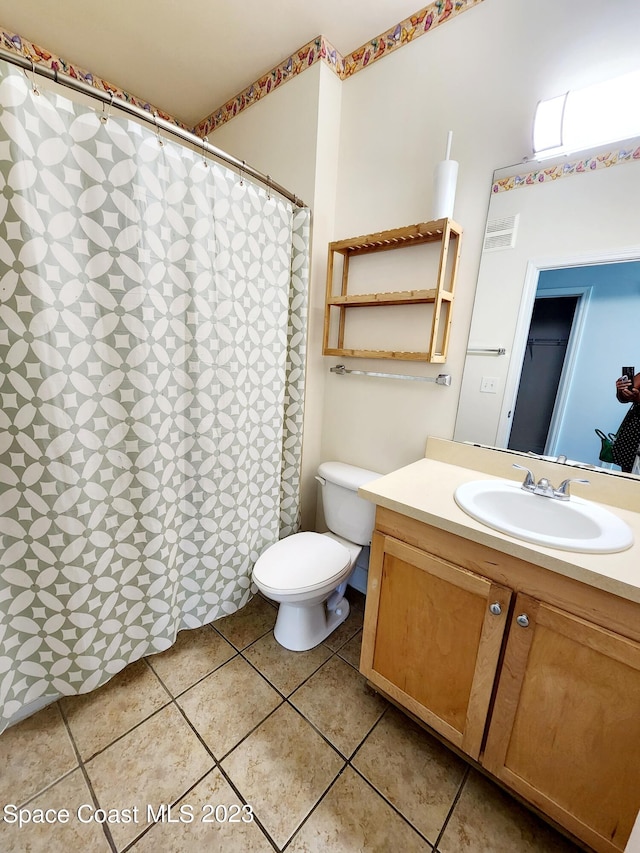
(444, 232)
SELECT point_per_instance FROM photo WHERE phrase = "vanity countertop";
(424, 491)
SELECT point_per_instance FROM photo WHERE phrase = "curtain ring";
(34, 85)
(269, 187)
(205, 140)
(155, 119)
(104, 118)
(242, 173)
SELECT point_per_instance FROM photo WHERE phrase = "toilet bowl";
(306, 573)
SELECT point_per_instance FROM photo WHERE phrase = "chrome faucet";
(543, 486)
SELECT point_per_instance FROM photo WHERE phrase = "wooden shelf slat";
(378, 353)
(423, 232)
(397, 297)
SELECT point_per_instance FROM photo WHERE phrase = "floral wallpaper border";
(406, 31)
(306, 56)
(40, 56)
(320, 49)
(563, 170)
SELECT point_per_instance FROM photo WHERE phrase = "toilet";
(307, 573)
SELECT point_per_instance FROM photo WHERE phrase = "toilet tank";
(345, 513)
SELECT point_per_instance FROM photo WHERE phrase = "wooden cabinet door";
(432, 638)
(565, 728)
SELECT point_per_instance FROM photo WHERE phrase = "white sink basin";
(573, 525)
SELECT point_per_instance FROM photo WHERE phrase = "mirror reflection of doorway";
(547, 342)
(603, 333)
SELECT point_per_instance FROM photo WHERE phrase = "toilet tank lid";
(345, 475)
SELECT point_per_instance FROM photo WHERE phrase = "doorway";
(546, 349)
(603, 333)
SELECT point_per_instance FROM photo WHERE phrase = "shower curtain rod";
(159, 123)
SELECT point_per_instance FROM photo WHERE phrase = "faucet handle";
(563, 489)
(529, 480)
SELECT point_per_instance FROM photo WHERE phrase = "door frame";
(518, 349)
(583, 294)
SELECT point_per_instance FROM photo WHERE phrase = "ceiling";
(188, 57)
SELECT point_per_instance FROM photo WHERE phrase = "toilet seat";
(301, 563)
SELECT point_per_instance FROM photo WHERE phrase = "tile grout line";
(172, 700)
(81, 761)
(317, 731)
(284, 695)
(45, 788)
(313, 809)
(347, 759)
(456, 799)
(131, 845)
(217, 763)
(347, 763)
(357, 668)
(83, 770)
(128, 732)
(241, 797)
(371, 785)
(220, 768)
(369, 733)
(249, 733)
(393, 807)
(285, 701)
(198, 681)
(332, 653)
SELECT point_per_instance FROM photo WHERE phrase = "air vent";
(501, 233)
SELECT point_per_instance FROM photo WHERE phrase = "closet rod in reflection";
(154, 119)
(486, 351)
(440, 379)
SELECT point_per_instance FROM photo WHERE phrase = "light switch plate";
(489, 384)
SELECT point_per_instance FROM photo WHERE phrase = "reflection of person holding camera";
(627, 443)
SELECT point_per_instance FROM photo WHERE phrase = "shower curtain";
(152, 341)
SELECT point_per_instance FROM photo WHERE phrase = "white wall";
(330, 94)
(481, 76)
(278, 134)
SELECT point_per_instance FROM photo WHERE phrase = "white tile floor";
(294, 749)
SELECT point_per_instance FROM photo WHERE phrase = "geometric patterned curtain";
(152, 344)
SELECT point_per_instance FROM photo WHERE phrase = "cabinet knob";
(495, 608)
(523, 620)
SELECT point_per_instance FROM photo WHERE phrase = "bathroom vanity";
(525, 658)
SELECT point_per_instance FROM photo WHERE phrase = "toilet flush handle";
(321, 480)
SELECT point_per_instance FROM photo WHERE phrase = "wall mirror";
(557, 306)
